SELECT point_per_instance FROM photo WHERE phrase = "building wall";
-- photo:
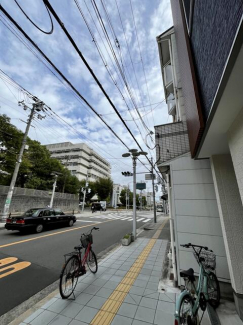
(80, 160)
(212, 20)
(24, 199)
(231, 216)
(195, 213)
(181, 113)
(194, 116)
(235, 140)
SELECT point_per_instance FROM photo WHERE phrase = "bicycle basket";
(86, 239)
(207, 259)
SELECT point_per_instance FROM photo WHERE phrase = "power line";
(122, 72)
(140, 52)
(60, 73)
(52, 27)
(63, 122)
(88, 67)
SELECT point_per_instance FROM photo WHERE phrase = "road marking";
(7, 260)
(13, 268)
(146, 220)
(53, 234)
(88, 221)
(140, 219)
(109, 309)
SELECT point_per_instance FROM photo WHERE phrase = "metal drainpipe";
(171, 230)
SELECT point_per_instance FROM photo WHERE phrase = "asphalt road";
(37, 259)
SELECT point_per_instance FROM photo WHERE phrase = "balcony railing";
(172, 139)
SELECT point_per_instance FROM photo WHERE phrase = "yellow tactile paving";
(113, 303)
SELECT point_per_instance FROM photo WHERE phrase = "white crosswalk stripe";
(119, 216)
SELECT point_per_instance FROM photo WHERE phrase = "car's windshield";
(31, 212)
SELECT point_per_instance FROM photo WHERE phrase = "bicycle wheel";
(213, 289)
(92, 262)
(185, 312)
(69, 277)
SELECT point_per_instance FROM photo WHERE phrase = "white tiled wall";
(195, 213)
(231, 216)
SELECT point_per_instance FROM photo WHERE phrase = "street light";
(134, 153)
(55, 174)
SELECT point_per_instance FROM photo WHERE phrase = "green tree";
(37, 165)
(104, 188)
(123, 196)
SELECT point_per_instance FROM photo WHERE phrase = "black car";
(38, 218)
(96, 206)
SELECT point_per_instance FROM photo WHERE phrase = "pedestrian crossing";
(116, 216)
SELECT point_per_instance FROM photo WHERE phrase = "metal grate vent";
(172, 139)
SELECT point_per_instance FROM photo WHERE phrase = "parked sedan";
(38, 218)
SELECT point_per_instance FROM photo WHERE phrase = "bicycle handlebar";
(90, 232)
(192, 245)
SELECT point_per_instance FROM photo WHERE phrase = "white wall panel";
(194, 192)
(195, 212)
(185, 163)
(192, 176)
(215, 243)
(199, 225)
(200, 208)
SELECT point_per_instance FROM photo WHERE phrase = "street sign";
(149, 177)
(140, 186)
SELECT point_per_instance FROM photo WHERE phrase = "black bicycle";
(74, 266)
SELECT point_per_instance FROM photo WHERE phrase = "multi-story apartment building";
(81, 160)
(201, 151)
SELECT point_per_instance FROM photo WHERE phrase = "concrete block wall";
(22, 200)
(195, 213)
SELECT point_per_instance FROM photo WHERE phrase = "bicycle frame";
(201, 288)
(85, 255)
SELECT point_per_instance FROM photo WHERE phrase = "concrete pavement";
(123, 291)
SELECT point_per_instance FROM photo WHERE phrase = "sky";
(132, 79)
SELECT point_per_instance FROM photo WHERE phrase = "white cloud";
(152, 18)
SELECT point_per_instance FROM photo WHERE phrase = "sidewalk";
(124, 291)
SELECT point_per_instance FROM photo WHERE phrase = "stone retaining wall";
(24, 199)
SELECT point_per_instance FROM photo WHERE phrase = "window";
(46, 213)
(188, 12)
(58, 212)
(168, 74)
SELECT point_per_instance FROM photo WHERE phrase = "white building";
(193, 199)
(202, 150)
(80, 160)
(115, 199)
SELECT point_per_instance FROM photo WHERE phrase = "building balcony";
(171, 141)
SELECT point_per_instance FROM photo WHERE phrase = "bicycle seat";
(79, 247)
(188, 274)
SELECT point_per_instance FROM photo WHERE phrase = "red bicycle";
(74, 266)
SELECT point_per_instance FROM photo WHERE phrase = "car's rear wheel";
(70, 223)
(39, 228)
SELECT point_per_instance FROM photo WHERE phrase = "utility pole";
(36, 107)
(141, 204)
(65, 177)
(152, 171)
(53, 190)
(85, 189)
